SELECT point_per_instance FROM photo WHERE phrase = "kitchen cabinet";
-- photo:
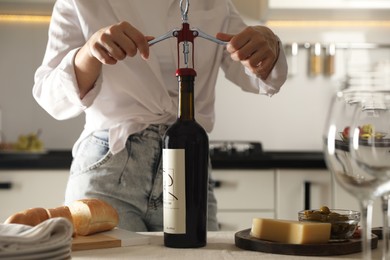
(314, 10)
(345, 200)
(28, 1)
(26, 7)
(298, 189)
(326, 4)
(293, 184)
(243, 195)
(23, 189)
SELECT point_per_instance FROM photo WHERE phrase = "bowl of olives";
(343, 222)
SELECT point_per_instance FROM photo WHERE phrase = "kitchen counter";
(271, 160)
(266, 160)
(220, 246)
(47, 160)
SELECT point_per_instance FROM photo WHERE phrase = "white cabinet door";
(239, 220)
(293, 185)
(243, 195)
(326, 4)
(345, 200)
(314, 10)
(291, 189)
(245, 189)
(30, 189)
(28, 1)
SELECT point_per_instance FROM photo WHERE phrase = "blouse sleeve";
(248, 81)
(55, 84)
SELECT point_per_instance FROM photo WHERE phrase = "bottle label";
(174, 195)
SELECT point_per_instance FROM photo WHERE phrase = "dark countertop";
(23, 161)
(267, 160)
(272, 160)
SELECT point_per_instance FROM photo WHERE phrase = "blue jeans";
(131, 180)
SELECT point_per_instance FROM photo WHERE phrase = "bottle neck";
(186, 97)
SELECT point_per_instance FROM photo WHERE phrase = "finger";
(139, 40)
(147, 39)
(263, 68)
(245, 51)
(259, 63)
(254, 60)
(224, 36)
(268, 59)
(117, 42)
(238, 41)
(227, 38)
(114, 49)
(102, 55)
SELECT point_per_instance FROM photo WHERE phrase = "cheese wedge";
(291, 232)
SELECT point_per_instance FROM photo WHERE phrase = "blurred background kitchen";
(326, 43)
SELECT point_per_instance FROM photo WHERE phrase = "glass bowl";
(343, 222)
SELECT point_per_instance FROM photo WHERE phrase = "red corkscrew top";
(185, 72)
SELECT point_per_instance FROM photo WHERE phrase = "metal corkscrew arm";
(185, 35)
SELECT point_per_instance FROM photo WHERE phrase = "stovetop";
(235, 149)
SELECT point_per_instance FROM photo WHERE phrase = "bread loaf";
(30, 217)
(88, 216)
(92, 216)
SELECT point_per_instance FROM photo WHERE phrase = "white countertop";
(220, 245)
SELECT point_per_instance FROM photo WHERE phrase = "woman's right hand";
(108, 46)
(116, 42)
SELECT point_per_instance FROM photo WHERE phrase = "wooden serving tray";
(244, 240)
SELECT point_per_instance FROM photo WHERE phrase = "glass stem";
(385, 228)
(366, 222)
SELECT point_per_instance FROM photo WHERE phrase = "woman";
(98, 61)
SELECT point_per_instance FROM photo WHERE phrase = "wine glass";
(385, 201)
(370, 147)
(337, 137)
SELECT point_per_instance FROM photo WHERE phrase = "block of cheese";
(289, 231)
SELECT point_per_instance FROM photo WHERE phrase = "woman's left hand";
(256, 47)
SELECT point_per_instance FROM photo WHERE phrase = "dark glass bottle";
(185, 172)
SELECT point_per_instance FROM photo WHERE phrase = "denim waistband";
(157, 128)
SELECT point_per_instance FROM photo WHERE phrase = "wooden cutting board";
(113, 238)
(244, 240)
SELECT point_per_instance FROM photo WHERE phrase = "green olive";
(340, 226)
(324, 210)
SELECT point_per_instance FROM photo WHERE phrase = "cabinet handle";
(307, 195)
(5, 185)
(217, 184)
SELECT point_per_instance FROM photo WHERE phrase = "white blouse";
(129, 96)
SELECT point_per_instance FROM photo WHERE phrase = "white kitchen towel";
(51, 239)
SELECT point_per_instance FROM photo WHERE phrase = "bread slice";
(93, 215)
(30, 217)
(62, 211)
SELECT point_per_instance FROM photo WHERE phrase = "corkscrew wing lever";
(170, 34)
(208, 37)
(196, 33)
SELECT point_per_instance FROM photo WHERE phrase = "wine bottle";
(185, 172)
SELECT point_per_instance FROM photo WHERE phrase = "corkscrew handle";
(196, 32)
(163, 37)
(185, 35)
(208, 37)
